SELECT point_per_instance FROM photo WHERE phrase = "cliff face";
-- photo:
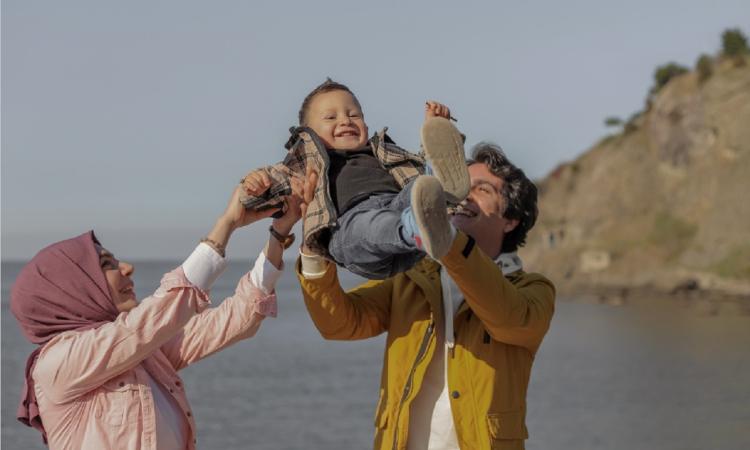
(665, 201)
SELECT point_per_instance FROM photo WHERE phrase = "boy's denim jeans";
(368, 240)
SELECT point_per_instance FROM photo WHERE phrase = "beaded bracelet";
(215, 245)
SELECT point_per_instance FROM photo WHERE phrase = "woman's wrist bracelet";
(220, 249)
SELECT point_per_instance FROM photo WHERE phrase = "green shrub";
(704, 67)
(612, 121)
(736, 263)
(671, 234)
(664, 73)
(630, 125)
(733, 42)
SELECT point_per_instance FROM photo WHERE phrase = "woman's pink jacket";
(92, 386)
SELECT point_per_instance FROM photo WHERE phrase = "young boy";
(373, 210)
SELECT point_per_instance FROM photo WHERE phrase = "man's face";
(118, 278)
(336, 117)
(481, 214)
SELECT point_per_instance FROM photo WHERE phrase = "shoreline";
(709, 301)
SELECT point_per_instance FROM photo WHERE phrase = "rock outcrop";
(664, 202)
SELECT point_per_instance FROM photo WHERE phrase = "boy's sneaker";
(426, 221)
(444, 150)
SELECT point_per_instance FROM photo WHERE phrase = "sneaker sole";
(444, 149)
(429, 209)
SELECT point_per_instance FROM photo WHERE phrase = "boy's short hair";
(519, 192)
(327, 86)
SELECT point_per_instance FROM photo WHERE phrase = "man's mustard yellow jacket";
(498, 329)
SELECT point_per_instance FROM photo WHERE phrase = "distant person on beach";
(105, 373)
(462, 332)
(373, 210)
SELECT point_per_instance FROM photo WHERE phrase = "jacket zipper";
(407, 388)
(456, 326)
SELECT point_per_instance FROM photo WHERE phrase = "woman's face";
(118, 278)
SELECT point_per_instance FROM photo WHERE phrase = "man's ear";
(510, 226)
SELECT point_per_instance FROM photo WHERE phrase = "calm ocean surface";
(646, 375)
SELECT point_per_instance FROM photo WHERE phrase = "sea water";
(649, 374)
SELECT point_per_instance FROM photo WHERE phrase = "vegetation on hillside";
(664, 73)
(671, 234)
(704, 67)
(733, 46)
(612, 121)
(734, 43)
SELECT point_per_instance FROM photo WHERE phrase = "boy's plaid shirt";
(307, 148)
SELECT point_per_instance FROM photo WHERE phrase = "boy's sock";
(425, 223)
(444, 150)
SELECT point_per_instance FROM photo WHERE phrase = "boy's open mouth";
(347, 133)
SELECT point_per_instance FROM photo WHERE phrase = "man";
(457, 383)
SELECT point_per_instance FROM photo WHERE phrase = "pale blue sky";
(136, 118)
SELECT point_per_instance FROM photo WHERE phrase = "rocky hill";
(662, 204)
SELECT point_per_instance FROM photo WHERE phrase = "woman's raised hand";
(237, 216)
(234, 216)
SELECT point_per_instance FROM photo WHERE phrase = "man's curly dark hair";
(519, 192)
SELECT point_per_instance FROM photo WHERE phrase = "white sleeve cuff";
(313, 266)
(264, 275)
(204, 266)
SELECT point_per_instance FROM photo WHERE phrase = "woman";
(105, 374)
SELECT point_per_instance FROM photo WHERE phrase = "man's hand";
(436, 109)
(294, 205)
(308, 192)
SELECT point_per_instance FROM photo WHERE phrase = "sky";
(136, 119)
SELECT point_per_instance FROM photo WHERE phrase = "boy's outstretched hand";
(436, 109)
(256, 183)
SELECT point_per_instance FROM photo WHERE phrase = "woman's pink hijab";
(62, 288)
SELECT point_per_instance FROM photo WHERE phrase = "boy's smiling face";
(337, 118)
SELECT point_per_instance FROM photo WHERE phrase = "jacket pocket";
(506, 426)
(115, 396)
(381, 416)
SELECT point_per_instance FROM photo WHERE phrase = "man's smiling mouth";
(460, 210)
